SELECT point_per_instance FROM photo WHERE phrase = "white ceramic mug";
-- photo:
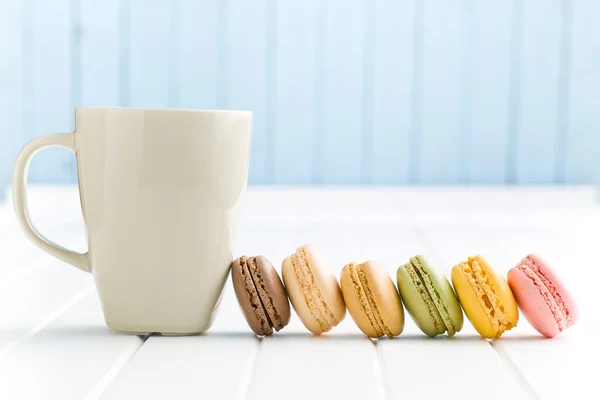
(160, 193)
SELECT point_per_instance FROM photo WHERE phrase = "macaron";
(542, 297)
(485, 297)
(313, 290)
(429, 297)
(372, 299)
(260, 294)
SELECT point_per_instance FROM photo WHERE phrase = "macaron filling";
(315, 301)
(267, 302)
(259, 310)
(422, 289)
(480, 284)
(532, 270)
(361, 286)
(437, 309)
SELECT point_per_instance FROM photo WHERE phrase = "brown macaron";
(260, 294)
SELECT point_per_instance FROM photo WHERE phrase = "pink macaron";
(542, 297)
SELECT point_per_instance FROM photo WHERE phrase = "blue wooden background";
(343, 91)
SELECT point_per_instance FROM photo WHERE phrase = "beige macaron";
(372, 299)
(313, 290)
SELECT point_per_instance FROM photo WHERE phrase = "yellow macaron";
(485, 297)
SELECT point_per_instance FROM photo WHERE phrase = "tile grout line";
(47, 320)
(245, 381)
(115, 369)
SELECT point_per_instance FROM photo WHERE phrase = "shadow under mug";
(160, 193)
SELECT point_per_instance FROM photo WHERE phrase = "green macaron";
(429, 297)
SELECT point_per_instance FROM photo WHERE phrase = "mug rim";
(154, 109)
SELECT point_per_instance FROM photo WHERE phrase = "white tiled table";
(54, 344)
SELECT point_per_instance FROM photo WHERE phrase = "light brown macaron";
(372, 299)
(260, 294)
(313, 290)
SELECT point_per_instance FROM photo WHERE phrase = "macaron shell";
(324, 282)
(470, 303)
(358, 306)
(386, 298)
(248, 298)
(297, 299)
(502, 290)
(272, 293)
(415, 304)
(327, 282)
(558, 284)
(375, 306)
(446, 294)
(532, 304)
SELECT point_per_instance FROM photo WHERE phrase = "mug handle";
(19, 193)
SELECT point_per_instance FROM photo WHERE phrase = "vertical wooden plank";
(442, 113)
(52, 87)
(296, 50)
(538, 52)
(10, 89)
(75, 73)
(319, 84)
(246, 79)
(343, 91)
(270, 87)
(124, 29)
(149, 67)
(490, 56)
(368, 88)
(392, 89)
(198, 46)
(100, 53)
(583, 136)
